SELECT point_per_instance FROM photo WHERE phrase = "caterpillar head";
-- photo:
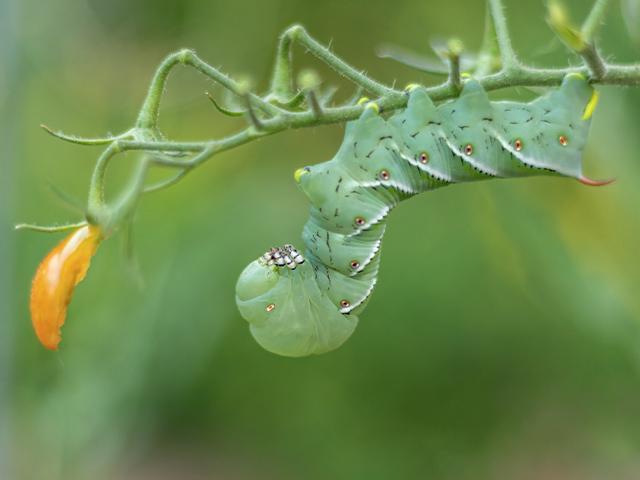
(288, 314)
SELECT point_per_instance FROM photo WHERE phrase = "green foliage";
(502, 342)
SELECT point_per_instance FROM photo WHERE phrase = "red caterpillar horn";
(595, 183)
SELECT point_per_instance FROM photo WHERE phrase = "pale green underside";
(302, 320)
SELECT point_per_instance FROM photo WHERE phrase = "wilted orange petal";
(55, 279)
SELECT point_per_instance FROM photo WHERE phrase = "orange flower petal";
(54, 281)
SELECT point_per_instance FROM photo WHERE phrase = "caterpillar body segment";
(313, 308)
(289, 314)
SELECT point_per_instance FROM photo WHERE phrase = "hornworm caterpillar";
(296, 307)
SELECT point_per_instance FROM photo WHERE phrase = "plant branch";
(283, 107)
(148, 117)
(594, 62)
(580, 41)
(453, 56)
(523, 76)
(297, 33)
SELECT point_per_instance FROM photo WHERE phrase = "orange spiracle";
(53, 284)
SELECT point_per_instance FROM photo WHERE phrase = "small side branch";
(580, 41)
(148, 116)
(593, 61)
(51, 228)
(252, 116)
(507, 54)
(282, 80)
(590, 54)
(82, 140)
(298, 34)
(453, 56)
(314, 103)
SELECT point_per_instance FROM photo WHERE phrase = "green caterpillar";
(297, 307)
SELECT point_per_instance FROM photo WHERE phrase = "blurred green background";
(502, 340)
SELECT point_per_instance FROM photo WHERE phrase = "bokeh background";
(503, 339)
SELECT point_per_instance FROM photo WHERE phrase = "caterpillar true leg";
(286, 256)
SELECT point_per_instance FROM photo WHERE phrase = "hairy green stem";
(82, 140)
(148, 117)
(282, 79)
(252, 115)
(507, 54)
(523, 76)
(314, 103)
(279, 107)
(96, 201)
(454, 72)
(593, 61)
(49, 229)
(298, 34)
